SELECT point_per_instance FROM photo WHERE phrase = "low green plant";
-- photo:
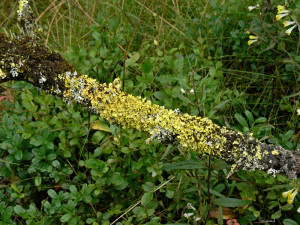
(61, 164)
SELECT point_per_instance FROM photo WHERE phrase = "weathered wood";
(26, 58)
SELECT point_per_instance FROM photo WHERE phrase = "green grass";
(55, 168)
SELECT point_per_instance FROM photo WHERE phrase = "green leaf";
(216, 193)
(147, 197)
(249, 116)
(289, 222)
(20, 211)
(230, 202)
(272, 204)
(161, 95)
(99, 125)
(178, 65)
(147, 66)
(18, 155)
(212, 71)
(52, 193)
(98, 151)
(73, 189)
(66, 217)
(219, 165)
(167, 151)
(148, 186)
(92, 163)
(98, 136)
(183, 98)
(221, 104)
(241, 120)
(51, 157)
(28, 103)
(26, 135)
(96, 36)
(276, 215)
(169, 193)
(287, 207)
(186, 165)
(6, 214)
(36, 142)
(260, 120)
(278, 187)
(38, 181)
(5, 172)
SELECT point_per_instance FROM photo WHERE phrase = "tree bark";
(26, 58)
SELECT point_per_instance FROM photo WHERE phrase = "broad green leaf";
(19, 209)
(96, 35)
(6, 214)
(260, 120)
(147, 66)
(73, 189)
(92, 163)
(212, 71)
(249, 116)
(289, 222)
(66, 217)
(287, 207)
(147, 197)
(99, 125)
(18, 154)
(52, 193)
(38, 180)
(230, 202)
(98, 136)
(276, 215)
(169, 193)
(241, 120)
(183, 98)
(178, 65)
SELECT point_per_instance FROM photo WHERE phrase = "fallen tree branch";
(26, 58)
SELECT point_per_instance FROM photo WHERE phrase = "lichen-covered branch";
(27, 59)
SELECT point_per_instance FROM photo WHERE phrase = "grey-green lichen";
(25, 16)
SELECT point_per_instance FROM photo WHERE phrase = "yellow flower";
(289, 31)
(250, 42)
(252, 37)
(287, 193)
(288, 23)
(280, 8)
(292, 196)
(279, 16)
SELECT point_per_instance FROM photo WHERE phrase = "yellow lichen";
(21, 4)
(134, 112)
(2, 74)
(275, 152)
